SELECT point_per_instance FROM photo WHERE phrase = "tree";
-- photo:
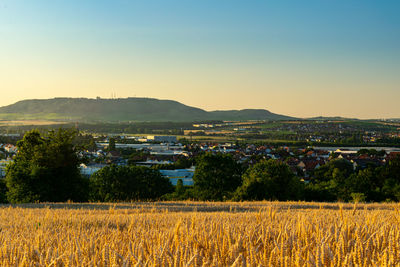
(367, 182)
(137, 156)
(85, 142)
(216, 176)
(327, 171)
(179, 189)
(111, 144)
(125, 183)
(181, 192)
(45, 169)
(270, 179)
(3, 191)
(183, 163)
(329, 181)
(391, 176)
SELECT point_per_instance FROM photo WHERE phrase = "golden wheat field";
(200, 234)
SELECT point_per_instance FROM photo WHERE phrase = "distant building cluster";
(163, 151)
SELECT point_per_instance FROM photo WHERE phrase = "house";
(311, 153)
(345, 151)
(309, 165)
(393, 155)
(10, 148)
(363, 163)
(323, 154)
(113, 155)
(88, 170)
(312, 165)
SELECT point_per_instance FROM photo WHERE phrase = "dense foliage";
(125, 183)
(271, 180)
(216, 177)
(338, 180)
(45, 169)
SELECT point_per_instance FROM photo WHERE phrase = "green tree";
(391, 179)
(270, 179)
(367, 182)
(111, 144)
(329, 181)
(85, 142)
(216, 176)
(332, 168)
(179, 189)
(181, 192)
(137, 156)
(125, 183)
(3, 191)
(183, 163)
(45, 169)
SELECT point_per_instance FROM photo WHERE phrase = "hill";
(248, 114)
(337, 118)
(123, 110)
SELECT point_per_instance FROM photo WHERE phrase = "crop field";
(200, 234)
(29, 123)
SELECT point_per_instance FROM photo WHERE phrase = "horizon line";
(144, 97)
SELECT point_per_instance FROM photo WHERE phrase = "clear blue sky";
(300, 58)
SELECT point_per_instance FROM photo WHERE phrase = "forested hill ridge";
(123, 110)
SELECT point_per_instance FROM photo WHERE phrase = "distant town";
(303, 145)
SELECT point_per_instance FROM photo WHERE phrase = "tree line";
(46, 169)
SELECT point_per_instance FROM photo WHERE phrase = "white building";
(149, 163)
(186, 175)
(345, 151)
(154, 149)
(162, 138)
(88, 170)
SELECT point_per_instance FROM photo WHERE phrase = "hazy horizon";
(320, 58)
(114, 97)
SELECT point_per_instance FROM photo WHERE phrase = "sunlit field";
(200, 234)
(29, 122)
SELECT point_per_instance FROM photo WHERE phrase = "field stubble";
(200, 234)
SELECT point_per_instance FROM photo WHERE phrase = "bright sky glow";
(298, 58)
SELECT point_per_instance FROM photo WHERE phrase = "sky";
(298, 58)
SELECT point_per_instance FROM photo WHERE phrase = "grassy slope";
(127, 109)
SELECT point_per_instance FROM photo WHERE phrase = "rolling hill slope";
(124, 109)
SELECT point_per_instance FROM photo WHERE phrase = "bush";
(216, 176)
(46, 169)
(272, 180)
(358, 197)
(126, 183)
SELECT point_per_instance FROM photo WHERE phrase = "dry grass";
(217, 234)
(29, 122)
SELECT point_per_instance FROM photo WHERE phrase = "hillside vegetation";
(122, 110)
